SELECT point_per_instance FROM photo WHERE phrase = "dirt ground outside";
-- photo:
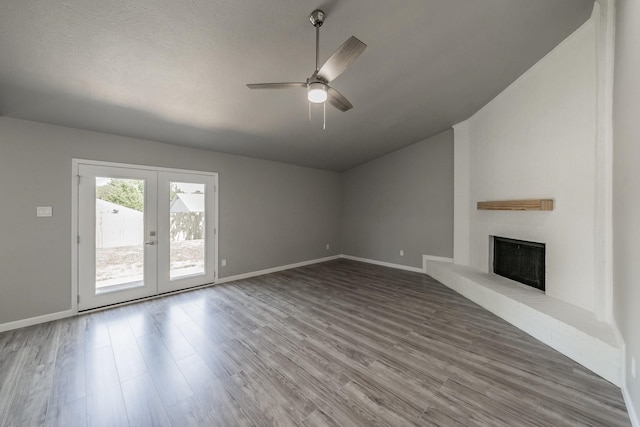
(127, 261)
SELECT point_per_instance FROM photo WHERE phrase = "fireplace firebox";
(520, 260)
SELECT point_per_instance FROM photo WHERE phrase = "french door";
(142, 232)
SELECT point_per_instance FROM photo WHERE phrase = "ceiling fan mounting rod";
(317, 19)
(317, 46)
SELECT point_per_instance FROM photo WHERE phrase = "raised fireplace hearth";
(520, 260)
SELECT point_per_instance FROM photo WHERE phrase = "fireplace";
(519, 260)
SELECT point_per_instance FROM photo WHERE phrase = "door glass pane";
(186, 229)
(119, 234)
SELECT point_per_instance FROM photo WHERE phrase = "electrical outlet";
(401, 252)
(328, 246)
(223, 263)
(633, 367)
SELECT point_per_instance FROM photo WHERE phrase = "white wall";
(270, 214)
(626, 201)
(401, 201)
(537, 140)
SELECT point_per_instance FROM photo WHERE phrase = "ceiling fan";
(318, 89)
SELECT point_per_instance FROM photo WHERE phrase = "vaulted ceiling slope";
(175, 71)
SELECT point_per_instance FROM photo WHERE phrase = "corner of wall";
(461, 192)
(604, 18)
(622, 346)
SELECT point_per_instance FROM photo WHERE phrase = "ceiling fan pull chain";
(309, 111)
(324, 116)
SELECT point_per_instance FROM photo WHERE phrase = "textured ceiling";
(175, 71)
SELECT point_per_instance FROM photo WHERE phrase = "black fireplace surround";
(519, 260)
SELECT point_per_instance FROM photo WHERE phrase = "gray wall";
(403, 200)
(626, 177)
(271, 214)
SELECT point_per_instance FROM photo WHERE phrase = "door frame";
(75, 162)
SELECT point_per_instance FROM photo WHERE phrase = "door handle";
(151, 242)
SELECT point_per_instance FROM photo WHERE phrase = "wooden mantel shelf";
(517, 205)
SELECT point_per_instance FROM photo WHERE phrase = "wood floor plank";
(377, 402)
(340, 343)
(11, 366)
(144, 407)
(211, 400)
(170, 384)
(31, 397)
(129, 360)
(210, 349)
(105, 404)
(96, 330)
(70, 414)
(190, 413)
(69, 381)
(319, 418)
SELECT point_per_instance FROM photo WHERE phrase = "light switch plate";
(43, 211)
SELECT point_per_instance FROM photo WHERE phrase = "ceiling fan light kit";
(318, 89)
(317, 92)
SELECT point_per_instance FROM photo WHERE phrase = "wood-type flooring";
(340, 343)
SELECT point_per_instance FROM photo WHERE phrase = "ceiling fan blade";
(341, 59)
(338, 100)
(276, 85)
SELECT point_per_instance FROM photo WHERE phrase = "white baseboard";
(631, 410)
(274, 269)
(316, 261)
(35, 320)
(384, 264)
(426, 258)
(622, 346)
